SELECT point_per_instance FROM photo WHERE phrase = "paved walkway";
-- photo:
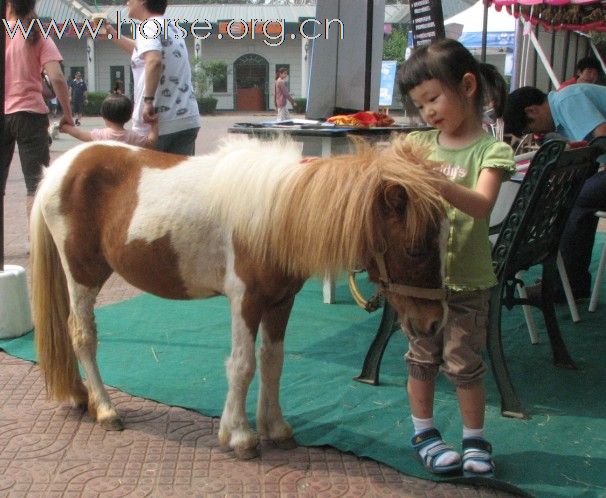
(51, 450)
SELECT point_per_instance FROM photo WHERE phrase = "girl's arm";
(55, 74)
(478, 202)
(78, 133)
(153, 73)
(152, 136)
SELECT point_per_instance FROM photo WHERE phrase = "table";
(321, 141)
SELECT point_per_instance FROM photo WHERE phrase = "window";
(218, 75)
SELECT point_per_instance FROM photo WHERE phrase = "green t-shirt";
(468, 259)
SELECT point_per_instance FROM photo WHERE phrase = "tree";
(395, 45)
(207, 74)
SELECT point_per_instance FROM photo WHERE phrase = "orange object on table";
(362, 119)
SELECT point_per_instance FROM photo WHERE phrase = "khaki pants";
(456, 350)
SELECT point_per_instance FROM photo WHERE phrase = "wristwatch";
(148, 99)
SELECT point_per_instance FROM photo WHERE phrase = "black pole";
(566, 49)
(484, 32)
(369, 33)
(2, 152)
(551, 55)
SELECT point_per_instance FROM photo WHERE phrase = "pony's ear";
(395, 199)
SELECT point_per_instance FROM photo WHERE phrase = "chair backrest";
(530, 233)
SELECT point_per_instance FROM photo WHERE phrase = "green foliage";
(300, 105)
(206, 74)
(93, 106)
(395, 46)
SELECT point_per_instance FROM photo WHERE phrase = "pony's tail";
(50, 308)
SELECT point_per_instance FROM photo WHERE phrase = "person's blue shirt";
(578, 109)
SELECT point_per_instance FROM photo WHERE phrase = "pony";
(251, 221)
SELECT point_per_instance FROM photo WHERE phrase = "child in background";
(443, 81)
(118, 87)
(494, 88)
(116, 110)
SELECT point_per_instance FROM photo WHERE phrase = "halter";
(435, 294)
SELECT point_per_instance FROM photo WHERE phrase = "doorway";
(251, 83)
(117, 75)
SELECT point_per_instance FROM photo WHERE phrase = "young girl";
(444, 83)
(116, 110)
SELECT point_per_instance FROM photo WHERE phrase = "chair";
(593, 302)
(529, 236)
(500, 210)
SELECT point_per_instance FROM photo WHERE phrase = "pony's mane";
(322, 215)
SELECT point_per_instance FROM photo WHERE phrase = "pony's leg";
(270, 423)
(83, 334)
(234, 431)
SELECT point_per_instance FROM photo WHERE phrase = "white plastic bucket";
(15, 314)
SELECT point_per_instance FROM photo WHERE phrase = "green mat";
(174, 352)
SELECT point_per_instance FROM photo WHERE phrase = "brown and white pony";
(251, 221)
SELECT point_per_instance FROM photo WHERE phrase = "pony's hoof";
(112, 424)
(246, 453)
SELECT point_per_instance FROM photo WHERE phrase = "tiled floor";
(51, 450)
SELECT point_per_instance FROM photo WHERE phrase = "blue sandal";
(432, 441)
(477, 449)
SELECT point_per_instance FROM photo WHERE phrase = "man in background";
(577, 112)
(587, 71)
(78, 89)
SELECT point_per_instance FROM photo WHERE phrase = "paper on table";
(288, 122)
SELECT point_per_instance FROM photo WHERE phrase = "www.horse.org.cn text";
(271, 32)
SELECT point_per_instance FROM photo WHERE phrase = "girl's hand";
(479, 201)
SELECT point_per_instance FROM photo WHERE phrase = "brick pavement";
(51, 450)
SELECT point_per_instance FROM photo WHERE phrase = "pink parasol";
(576, 15)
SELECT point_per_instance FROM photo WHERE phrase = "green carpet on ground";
(174, 352)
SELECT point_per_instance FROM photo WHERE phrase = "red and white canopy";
(576, 15)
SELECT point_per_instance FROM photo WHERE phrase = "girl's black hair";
(117, 108)
(494, 87)
(445, 60)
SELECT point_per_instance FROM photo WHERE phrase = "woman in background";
(282, 96)
(26, 113)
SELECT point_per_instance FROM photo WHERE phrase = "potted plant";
(300, 105)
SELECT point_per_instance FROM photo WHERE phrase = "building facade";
(253, 41)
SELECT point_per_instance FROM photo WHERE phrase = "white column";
(305, 55)
(91, 73)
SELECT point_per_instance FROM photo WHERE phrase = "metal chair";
(529, 236)
(593, 302)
